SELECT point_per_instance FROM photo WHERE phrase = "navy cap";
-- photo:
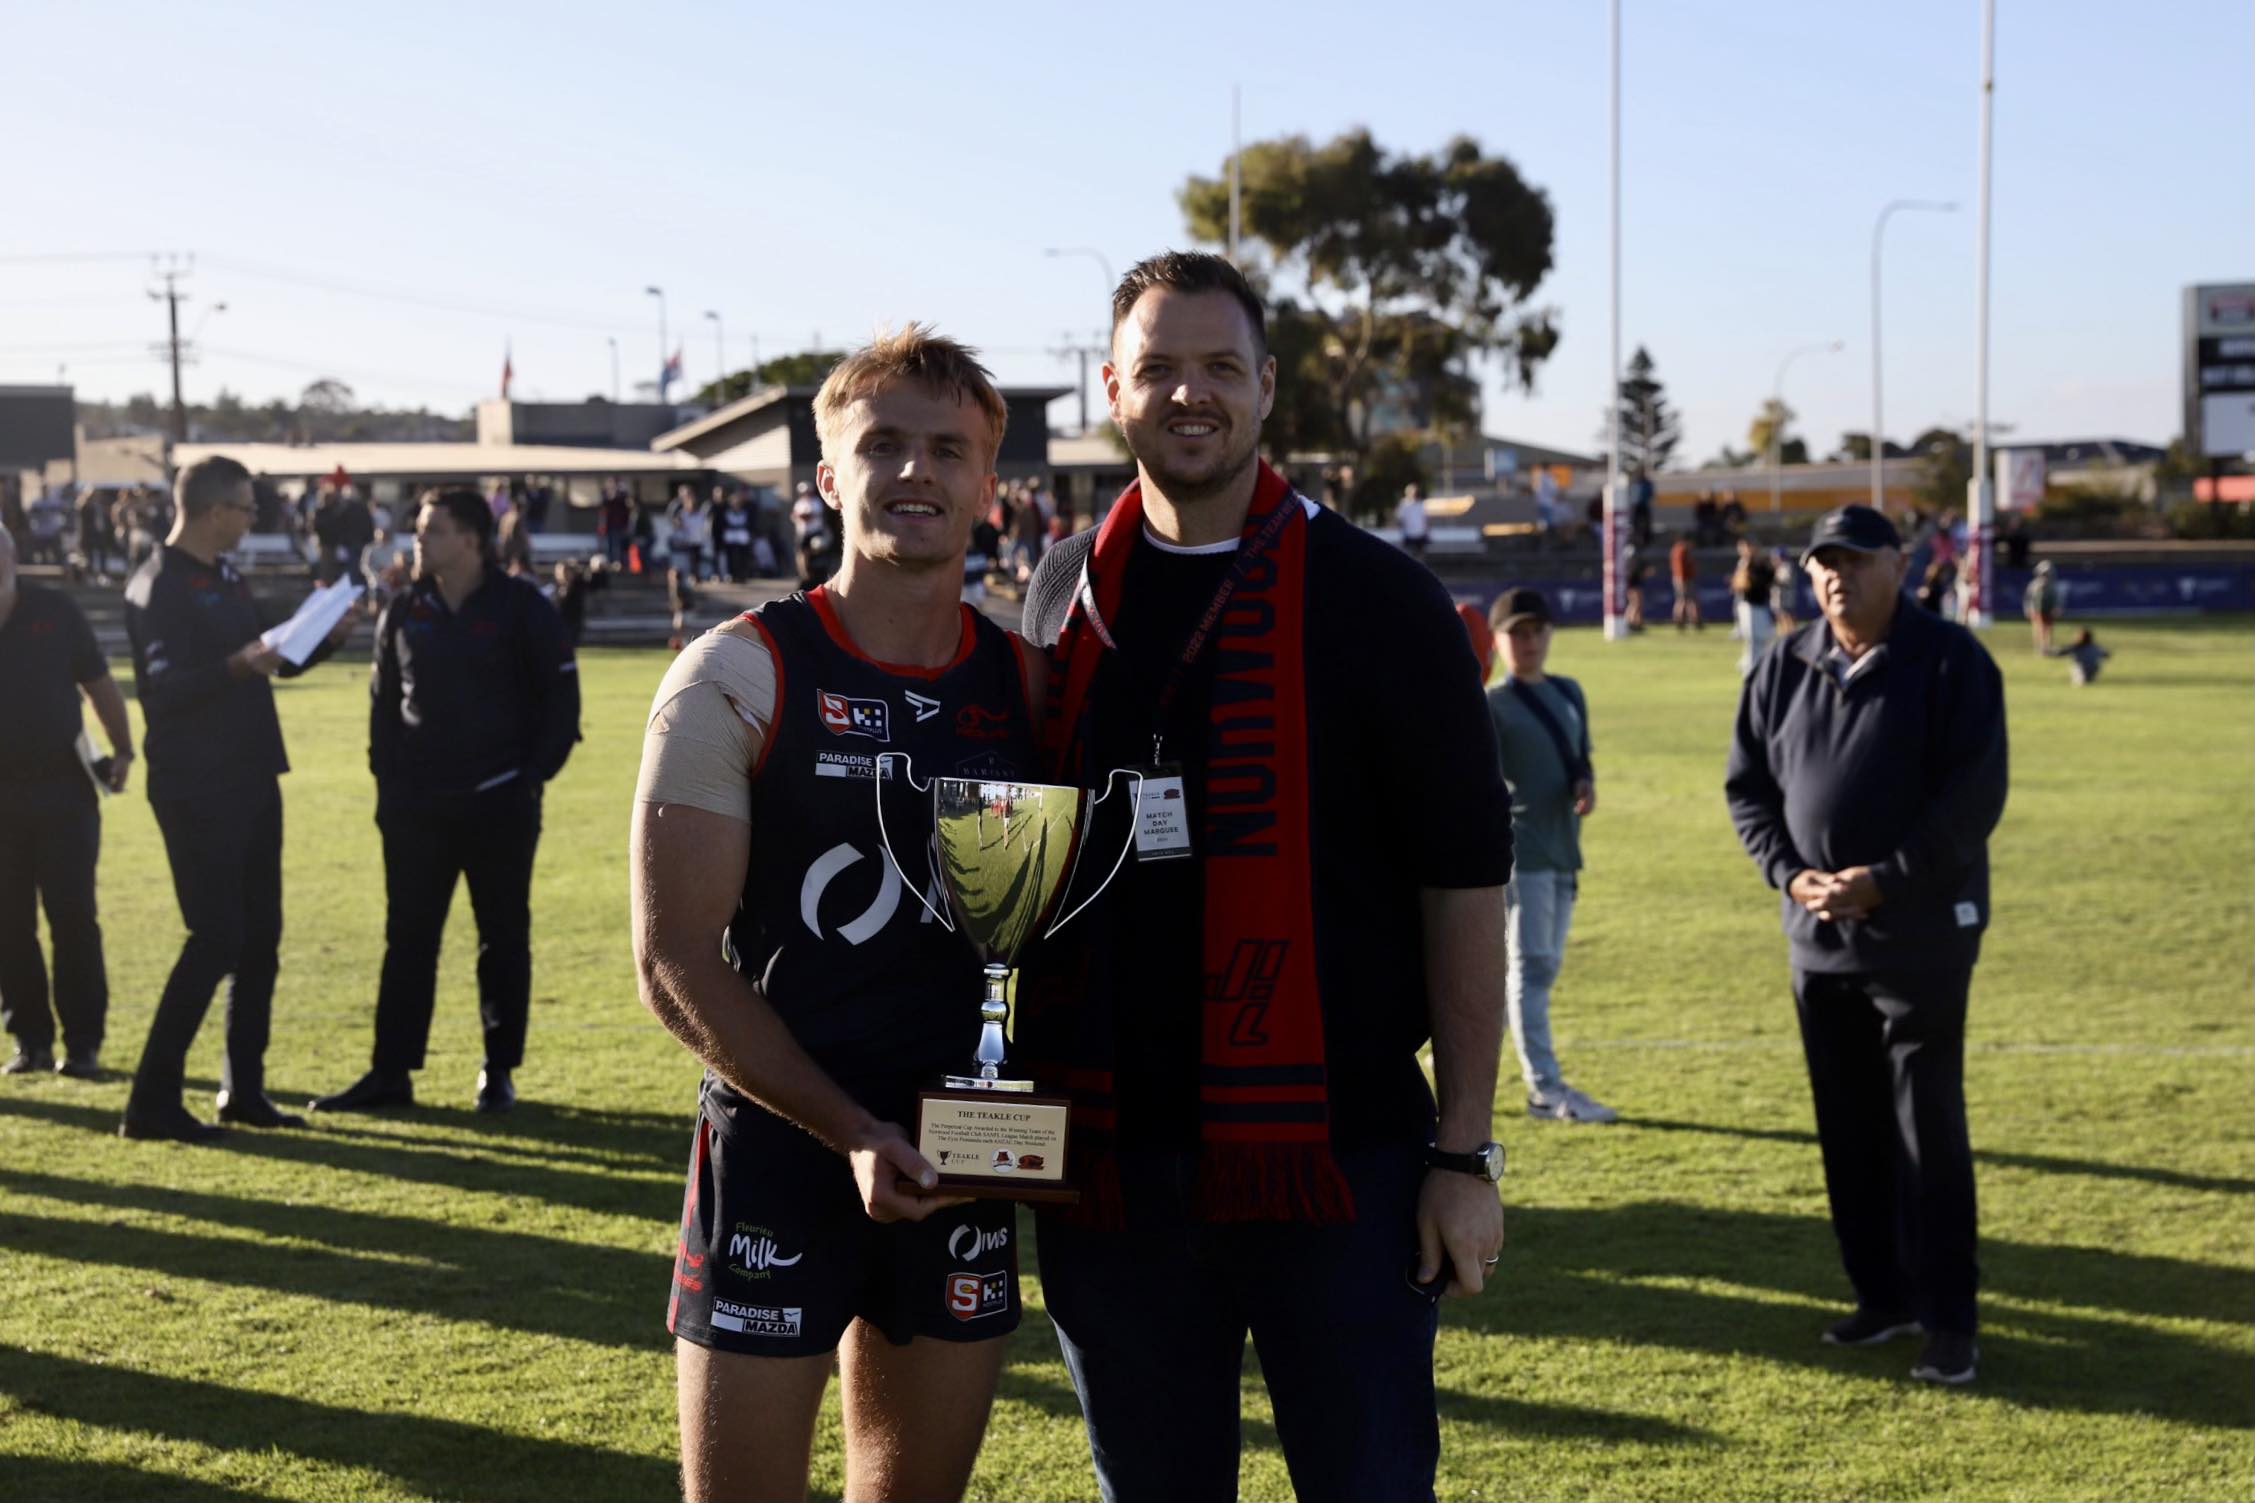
(1521, 604)
(1857, 527)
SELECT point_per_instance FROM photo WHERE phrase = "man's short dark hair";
(204, 484)
(1190, 271)
(468, 509)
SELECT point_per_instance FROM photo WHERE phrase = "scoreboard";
(2219, 375)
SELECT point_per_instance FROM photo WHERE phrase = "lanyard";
(1248, 554)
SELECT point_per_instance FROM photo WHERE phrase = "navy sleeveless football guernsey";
(876, 990)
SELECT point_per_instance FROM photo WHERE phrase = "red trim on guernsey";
(1019, 647)
(819, 598)
(775, 711)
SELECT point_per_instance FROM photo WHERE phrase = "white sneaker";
(1569, 1105)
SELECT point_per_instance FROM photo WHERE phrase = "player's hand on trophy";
(893, 1177)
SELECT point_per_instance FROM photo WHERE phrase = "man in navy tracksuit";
(1867, 772)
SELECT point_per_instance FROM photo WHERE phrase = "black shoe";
(1946, 1358)
(254, 1111)
(371, 1092)
(1869, 1328)
(28, 1062)
(495, 1094)
(168, 1122)
(83, 1066)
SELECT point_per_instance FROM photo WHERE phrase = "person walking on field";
(473, 707)
(1683, 570)
(2040, 603)
(1409, 516)
(1866, 773)
(1542, 730)
(1751, 591)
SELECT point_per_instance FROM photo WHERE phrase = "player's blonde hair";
(910, 353)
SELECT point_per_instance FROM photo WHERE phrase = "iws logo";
(974, 1296)
(853, 717)
(827, 867)
(966, 1244)
(753, 1253)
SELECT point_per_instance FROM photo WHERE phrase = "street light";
(1878, 230)
(1092, 252)
(659, 294)
(1777, 409)
(720, 360)
(613, 341)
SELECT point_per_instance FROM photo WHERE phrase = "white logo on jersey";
(925, 708)
(874, 918)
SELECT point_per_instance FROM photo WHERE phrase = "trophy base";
(995, 1139)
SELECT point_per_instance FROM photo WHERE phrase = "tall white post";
(1980, 500)
(1236, 177)
(1616, 605)
(1878, 415)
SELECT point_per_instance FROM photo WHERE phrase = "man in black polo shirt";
(1241, 1029)
(51, 822)
(1867, 772)
(474, 705)
(215, 755)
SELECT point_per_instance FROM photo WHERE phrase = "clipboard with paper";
(297, 638)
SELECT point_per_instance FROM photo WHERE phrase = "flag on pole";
(670, 372)
(508, 368)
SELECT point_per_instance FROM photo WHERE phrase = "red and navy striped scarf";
(1264, 1117)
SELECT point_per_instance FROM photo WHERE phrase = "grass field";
(437, 1305)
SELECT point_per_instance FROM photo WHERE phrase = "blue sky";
(518, 174)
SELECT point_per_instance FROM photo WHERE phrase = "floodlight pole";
(1616, 612)
(659, 294)
(1981, 497)
(1878, 233)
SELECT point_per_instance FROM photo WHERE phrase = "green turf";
(442, 1306)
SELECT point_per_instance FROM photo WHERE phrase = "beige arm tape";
(707, 725)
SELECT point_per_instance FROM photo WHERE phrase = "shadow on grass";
(2042, 1163)
(1584, 1273)
(453, 1271)
(436, 1457)
(457, 1163)
(32, 1477)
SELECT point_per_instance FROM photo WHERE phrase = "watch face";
(1492, 1162)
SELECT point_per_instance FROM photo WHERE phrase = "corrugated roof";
(436, 461)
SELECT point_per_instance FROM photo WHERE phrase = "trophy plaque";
(1002, 854)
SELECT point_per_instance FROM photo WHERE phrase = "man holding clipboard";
(215, 758)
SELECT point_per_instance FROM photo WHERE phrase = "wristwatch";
(1485, 1161)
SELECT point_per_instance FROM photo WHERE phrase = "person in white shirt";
(1409, 516)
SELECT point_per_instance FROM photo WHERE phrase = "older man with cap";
(1866, 774)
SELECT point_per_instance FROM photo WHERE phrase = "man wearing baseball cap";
(1542, 729)
(1867, 771)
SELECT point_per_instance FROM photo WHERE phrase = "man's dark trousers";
(50, 835)
(1153, 1318)
(225, 846)
(1886, 1054)
(489, 838)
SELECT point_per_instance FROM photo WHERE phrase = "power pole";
(1070, 350)
(174, 270)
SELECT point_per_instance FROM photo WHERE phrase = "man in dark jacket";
(474, 707)
(200, 668)
(1867, 772)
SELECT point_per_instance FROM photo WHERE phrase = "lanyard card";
(1162, 815)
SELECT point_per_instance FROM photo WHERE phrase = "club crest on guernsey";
(853, 717)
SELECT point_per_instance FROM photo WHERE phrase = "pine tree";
(1650, 428)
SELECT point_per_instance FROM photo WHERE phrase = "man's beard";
(1183, 489)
